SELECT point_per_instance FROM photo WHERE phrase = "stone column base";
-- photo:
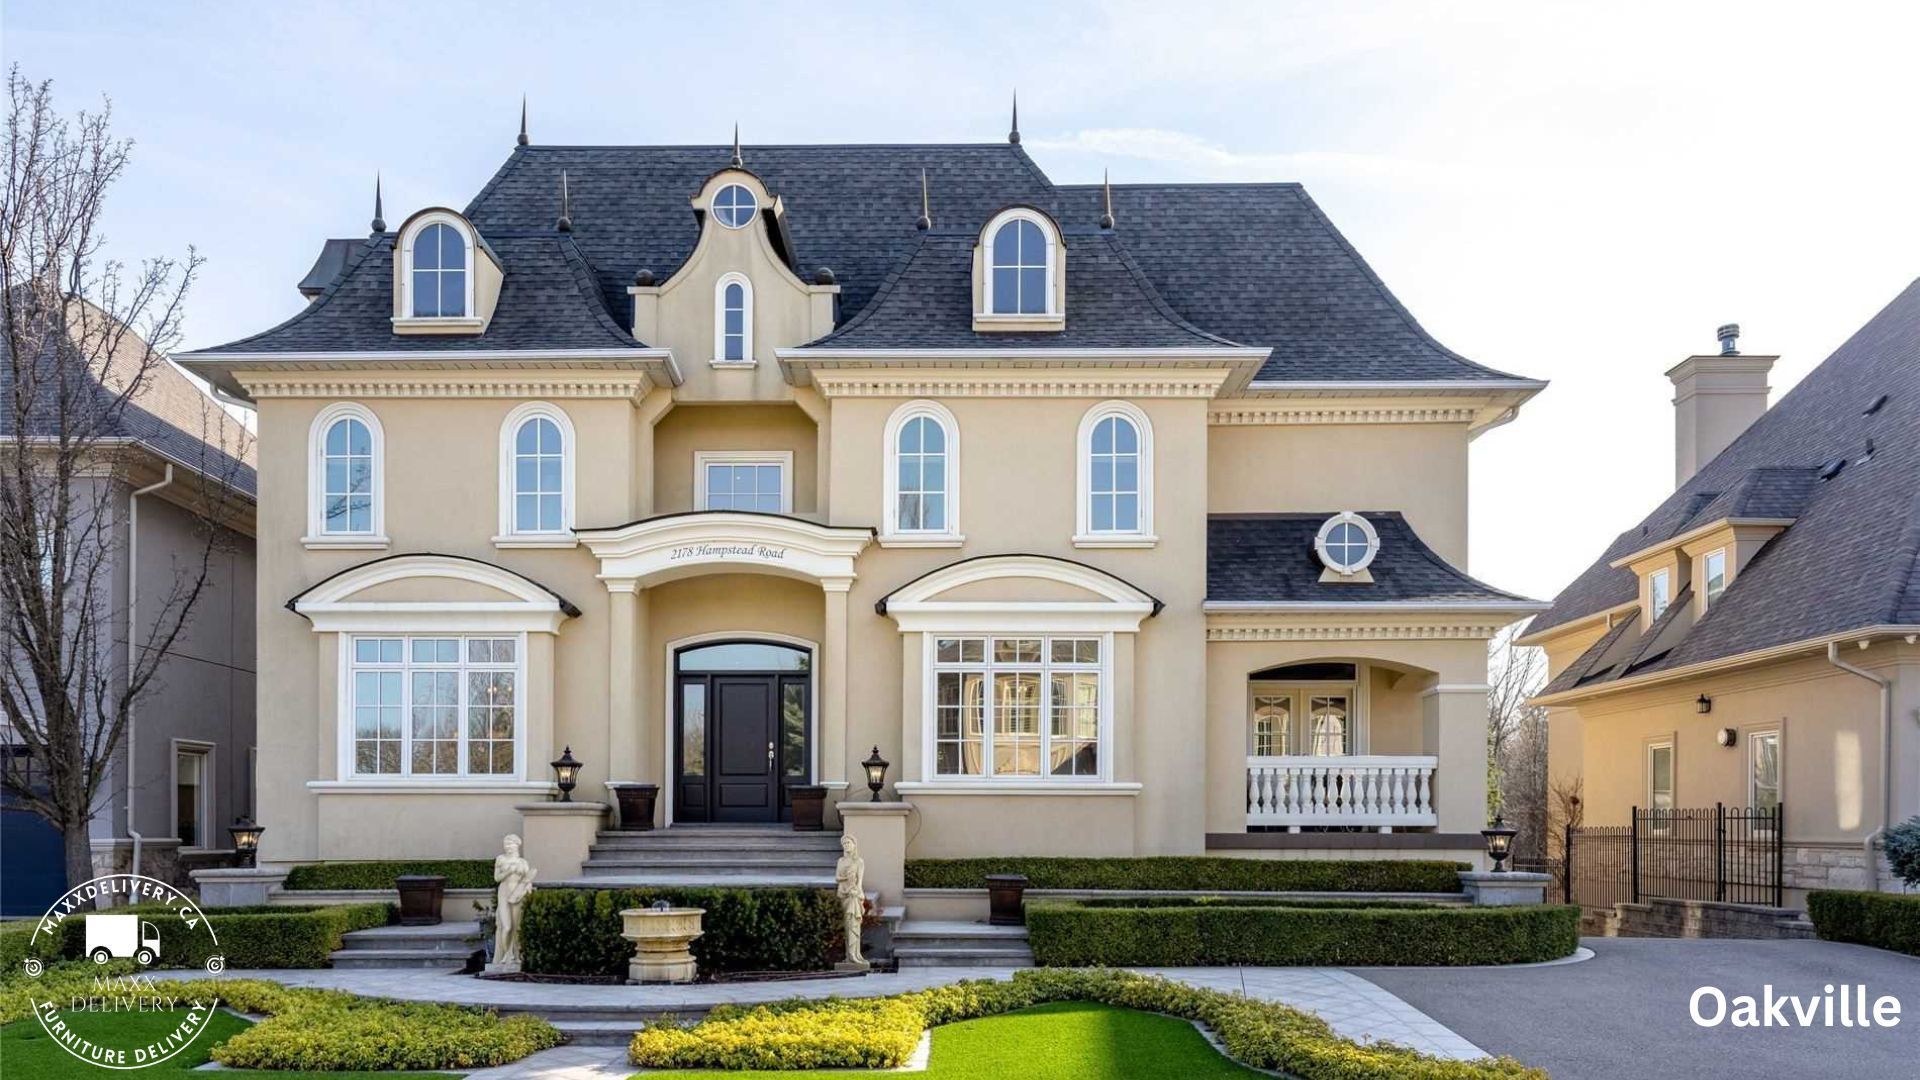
(555, 836)
(1488, 889)
(238, 887)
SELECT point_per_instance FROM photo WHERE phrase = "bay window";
(1019, 706)
(435, 706)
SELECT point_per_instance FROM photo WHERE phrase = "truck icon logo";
(122, 937)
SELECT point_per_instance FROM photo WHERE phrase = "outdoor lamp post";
(246, 838)
(1499, 837)
(567, 773)
(876, 767)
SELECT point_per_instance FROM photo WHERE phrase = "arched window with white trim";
(437, 268)
(1115, 477)
(345, 496)
(733, 320)
(1022, 265)
(922, 485)
(536, 474)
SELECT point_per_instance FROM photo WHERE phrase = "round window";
(734, 206)
(1347, 543)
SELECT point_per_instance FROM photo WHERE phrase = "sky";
(1573, 192)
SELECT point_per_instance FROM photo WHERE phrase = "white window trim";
(1780, 764)
(510, 536)
(782, 458)
(1047, 230)
(720, 321)
(1298, 691)
(1707, 600)
(1346, 517)
(418, 225)
(1023, 784)
(317, 537)
(1083, 534)
(754, 196)
(1656, 606)
(891, 535)
(206, 750)
(1673, 771)
(406, 777)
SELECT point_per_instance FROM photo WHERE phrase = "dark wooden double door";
(743, 742)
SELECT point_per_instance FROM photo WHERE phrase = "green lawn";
(27, 1051)
(1070, 1040)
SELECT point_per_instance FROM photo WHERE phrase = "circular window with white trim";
(1346, 543)
(734, 206)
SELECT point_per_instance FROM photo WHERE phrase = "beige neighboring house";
(1118, 521)
(1752, 642)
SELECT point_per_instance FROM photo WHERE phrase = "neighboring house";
(1752, 641)
(191, 735)
(1123, 521)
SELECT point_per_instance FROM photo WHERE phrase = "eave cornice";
(1362, 622)
(1025, 382)
(1863, 636)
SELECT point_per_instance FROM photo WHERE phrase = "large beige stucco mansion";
(1123, 520)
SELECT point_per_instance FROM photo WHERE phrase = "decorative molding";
(1003, 788)
(726, 541)
(1279, 629)
(528, 606)
(961, 384)
(1249, 415)
(582, 384)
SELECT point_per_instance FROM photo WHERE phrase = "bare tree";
(1517, 743)
(84, 342)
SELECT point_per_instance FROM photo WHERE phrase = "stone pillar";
(881, 831)
(555, 836)
(1454, 722)
(247, 886)
(1505, 889)
(833, 684)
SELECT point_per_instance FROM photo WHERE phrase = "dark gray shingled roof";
(1256, 265)
(1852, 557)
(1269, 558)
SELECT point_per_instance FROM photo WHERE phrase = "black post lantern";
(566, 772)
(246, 838)
(1499, 838)
(876, 767)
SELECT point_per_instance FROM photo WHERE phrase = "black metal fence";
(1725, 853)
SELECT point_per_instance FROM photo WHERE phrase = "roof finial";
(379, 216)
(1106, 190)
(926, 208)
(1013, 133)
(565, 224)
(738, 161)
(523, 120)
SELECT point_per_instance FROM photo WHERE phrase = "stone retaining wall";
(1660, 917)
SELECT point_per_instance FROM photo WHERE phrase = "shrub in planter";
(262, 936)
(327, 876)
(577, 931)
(1883, 920)
(1206, 933)
(1203, 873)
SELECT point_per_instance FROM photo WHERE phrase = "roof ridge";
(1421, 546)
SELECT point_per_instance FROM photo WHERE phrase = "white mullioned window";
(1022, 264)
(756, 480)
(733, 320)
(345, 486)
(433, 706)
(536, 472)
(437, 268)
(922, 481)
(1763, 770)
(1660, 782)
(1114, 477)
(1023, 707)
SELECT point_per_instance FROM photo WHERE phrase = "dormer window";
(1346, 544)
(445, 278)
(734, 206)
(733, 321)
(1659, 594)
(1018, 282)
(439, 272)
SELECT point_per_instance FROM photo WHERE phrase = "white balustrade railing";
(1374, 790)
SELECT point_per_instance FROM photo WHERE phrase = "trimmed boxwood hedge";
(1171, 933)
(328, 876)
(266, 936)
(1883, 920)
(1203, 873)
(577, 931)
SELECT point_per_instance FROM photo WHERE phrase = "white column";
(833, 683)
(624, 750)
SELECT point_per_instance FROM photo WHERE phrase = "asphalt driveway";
(1623, 1014)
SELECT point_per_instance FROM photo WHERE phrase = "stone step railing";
(1383, 791)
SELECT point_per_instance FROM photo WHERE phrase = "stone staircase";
(931, 943)
(442, 948)
(709, 855)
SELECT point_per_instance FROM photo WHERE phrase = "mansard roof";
(1269, 559)
(1253, 265)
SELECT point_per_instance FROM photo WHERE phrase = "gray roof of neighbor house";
(1269, 558)
(1255, 265)
(1851, 559)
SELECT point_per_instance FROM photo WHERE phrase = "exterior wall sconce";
(1704, 705)
(1499, 837)
(876, 767)
(246, 839)
(566, 773)
(1726, 736)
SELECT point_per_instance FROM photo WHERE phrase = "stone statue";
(515, 877)
(849, 884)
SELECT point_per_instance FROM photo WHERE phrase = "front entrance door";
(743, 713)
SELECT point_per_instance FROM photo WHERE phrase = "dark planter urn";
(636, 805)
(809, 807)
(1005, 899)
(420, 896)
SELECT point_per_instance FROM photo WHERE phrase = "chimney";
(1715, 398)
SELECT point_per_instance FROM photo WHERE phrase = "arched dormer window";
(1021, 264)
(345, 485)
(437, 268)
(733, 321)
(922, 480)
(1115, 477)
(536, 477)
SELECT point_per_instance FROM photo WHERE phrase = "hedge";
(1883, 920)
(264, 936)
(1209, 933)
(577, 931)
(326, 876)
(878, 1033)
(1201, 873)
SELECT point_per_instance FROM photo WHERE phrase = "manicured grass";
(28, 1051)
(1066, 1040)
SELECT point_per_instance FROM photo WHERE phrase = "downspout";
(133, 630)
(1886, 749)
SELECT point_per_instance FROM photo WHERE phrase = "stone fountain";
(661, 935)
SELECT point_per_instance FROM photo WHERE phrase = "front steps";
(689, 856)
(931, 943)
(440, 948)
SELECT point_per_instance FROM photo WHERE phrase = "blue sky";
(1573, 192)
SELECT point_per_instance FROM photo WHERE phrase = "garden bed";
(1199, 872)
(577, 931)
